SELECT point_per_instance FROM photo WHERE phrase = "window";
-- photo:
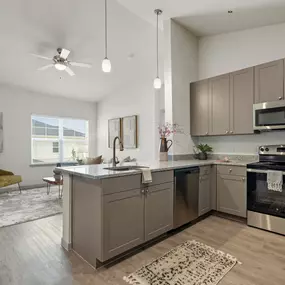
(58, 139)
(55, 147)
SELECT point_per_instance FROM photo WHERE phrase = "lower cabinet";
(231, 195)
(205, 194)
(158, 210)
(123, 221)
(133, 217)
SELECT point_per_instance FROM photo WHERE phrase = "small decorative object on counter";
(165, 144)
(202, 151)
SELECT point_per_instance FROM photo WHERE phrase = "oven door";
(269, 116)
(262, 200)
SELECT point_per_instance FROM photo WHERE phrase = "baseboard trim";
(65, 245)
(16, 188)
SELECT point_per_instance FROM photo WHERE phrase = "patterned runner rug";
(192, 263)
(16, 208)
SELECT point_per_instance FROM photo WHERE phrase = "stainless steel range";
(266, 207)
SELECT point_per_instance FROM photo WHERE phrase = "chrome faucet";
(114, 150)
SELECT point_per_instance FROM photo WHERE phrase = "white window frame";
(60, 137)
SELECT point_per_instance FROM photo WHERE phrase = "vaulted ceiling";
(40, 26)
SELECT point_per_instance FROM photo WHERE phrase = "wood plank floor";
(30, 254)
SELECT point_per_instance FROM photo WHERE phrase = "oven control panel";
(272, 150)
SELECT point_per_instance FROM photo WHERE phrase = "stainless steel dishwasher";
(186, 195)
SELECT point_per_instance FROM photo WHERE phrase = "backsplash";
(243, 144)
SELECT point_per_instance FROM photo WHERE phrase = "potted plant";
(203, 150)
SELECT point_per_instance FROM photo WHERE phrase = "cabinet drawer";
(120, 184)
(231, 170)
(205, 170)
(162, 177)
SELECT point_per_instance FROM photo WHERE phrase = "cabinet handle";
(243, 179)
(143, 191)
(230, 170)
(280, 98)
(232, 132)
(227, 132)
(207, 133)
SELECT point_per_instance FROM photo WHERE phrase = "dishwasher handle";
(191, 170)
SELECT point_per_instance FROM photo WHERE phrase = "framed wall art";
(130, 132)
(114, 130)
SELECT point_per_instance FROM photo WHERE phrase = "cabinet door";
(213, 186)
(269, 81)
(123, 221)
(220, 105)
(199, 108)
(242, 99)
(158, 210)
(204, 195)
(231, 196)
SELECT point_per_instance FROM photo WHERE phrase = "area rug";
(16, 208)
(192, 263)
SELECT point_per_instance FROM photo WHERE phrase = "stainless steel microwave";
(269, 116)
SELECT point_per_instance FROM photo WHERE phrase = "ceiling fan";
(61, 62)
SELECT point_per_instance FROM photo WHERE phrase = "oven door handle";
(260, 171)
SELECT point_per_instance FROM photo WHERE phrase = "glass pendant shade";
(106, 65)
(157, 83)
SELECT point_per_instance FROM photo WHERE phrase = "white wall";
(181, 68)
(18, 105)
(233, 51)
(136, 99)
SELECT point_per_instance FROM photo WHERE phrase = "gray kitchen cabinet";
(220, 105)
(213, 187)
(269, 81)
(158, 210)
(123, 222)
(199, 108)
(231, 195)
(204, 194)
(242, 99)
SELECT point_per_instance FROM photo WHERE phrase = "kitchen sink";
(125, 168)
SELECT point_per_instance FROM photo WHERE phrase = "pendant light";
(157, 80)
(106, 63)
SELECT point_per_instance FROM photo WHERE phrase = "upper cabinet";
(242, 99)
(199, 108)
(269, 81)
(223, 105)
(220, 105)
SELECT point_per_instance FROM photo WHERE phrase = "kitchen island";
(107, 212)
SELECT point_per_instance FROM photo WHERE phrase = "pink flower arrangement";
(167, 129)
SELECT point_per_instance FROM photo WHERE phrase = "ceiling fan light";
(106, 65)
(60, 66)
(157, 83)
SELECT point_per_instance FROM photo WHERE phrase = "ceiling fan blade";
(87, 65)
(69, 71)
(64, 53)
(45, 67)
(41, 56)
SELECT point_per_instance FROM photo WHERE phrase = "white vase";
(163, 156)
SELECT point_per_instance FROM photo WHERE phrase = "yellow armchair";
(8, 178)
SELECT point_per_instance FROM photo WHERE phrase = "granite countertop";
(99, 171)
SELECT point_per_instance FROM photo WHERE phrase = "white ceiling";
(40, 26)
(222, 22)
(209, 17)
